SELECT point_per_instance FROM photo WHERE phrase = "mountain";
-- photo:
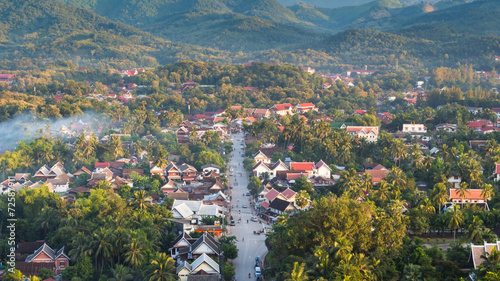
(343, 18)
(342, 3)
(480, 17)
(230, 31)
(358, 47)
(234, 25)
(49, 29)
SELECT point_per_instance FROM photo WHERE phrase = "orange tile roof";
(473, 194)
(302, 166)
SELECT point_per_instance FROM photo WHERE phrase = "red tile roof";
(272, 194)
(302, 166)
(497, 169)
(265, 205)
(309, 104)
(280, 107)
(101, 165)
(473, 194)
(288, 193)
(294, 176)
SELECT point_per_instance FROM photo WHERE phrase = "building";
(363, 72)
(478, 251)
(282, 109)
(211, 167)
(449, 128)
(414, 128)
(305, 107)
(471, 196)
(370, 133)
(57, 260)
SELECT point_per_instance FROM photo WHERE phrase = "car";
(233, 223)
(254, 219)
(248, 194)
(242, 155)
(257, 271)
(245, 205)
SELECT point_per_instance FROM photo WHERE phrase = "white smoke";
(27, 128)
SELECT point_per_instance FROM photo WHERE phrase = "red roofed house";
(7, 77)
(99, 166)
(360, 112)
(378, 173)
(261, 113)
(496, 172)
(307, 167)
(370, 133)
(479, 123)
(282, 109)
(305, 107)
(45, 254)
(471, 196)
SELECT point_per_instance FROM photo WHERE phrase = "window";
(62, 264)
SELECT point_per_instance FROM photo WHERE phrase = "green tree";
(228, 272)
(121, 273)
(163, 268)
(455, 219)
(303, 183)
(298, 273)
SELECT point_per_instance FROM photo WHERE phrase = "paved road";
(250, 245)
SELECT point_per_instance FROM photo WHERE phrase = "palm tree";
(487, 191)
(163, 268)
(324, 263)
(455, 219)
(397, 178)
(121, 273)
(298, 273)
(133, 255)
(102, 246)
(462, 191)
(476, 229)
(440, 195)
(160, 159)
(115, 146)
(399, 151)
(140, 200)
(349, 180)
(383, 193)
(366, 182)
(427, 207)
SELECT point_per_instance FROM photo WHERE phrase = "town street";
(250, 245)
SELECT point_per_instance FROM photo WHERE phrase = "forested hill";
(481, 17)
(233, 25)
(49, 29)
(379, 49)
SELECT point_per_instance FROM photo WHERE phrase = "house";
(188, 209)
(414, 128)
(211, 167)
(370, 133)
(378, 173)
(478, 251)
(185, 247)
(172, 172)
(321, 169)
(496, 172)
(60, 185)
(188, 172)
(168, 187)
(472, 196)
(486, 130)
(477, 144)
(261, 113)
(272, 170)
(307, 167)
(363, 72)
(309, 70)
(282, 109)
(446, 127)
(455, 181)
(99, 166)
(279, 206)
(203, 266)
(305, 107)
(47, 255)
(81, 171)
